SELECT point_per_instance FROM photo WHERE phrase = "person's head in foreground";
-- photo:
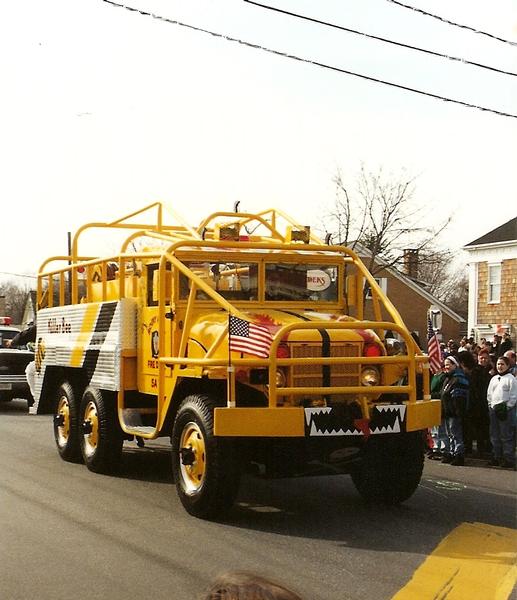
(248, 586)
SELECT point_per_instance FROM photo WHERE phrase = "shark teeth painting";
(329, 421)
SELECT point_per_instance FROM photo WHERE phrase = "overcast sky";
(104, 110)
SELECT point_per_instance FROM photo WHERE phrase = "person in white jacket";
(502, 400)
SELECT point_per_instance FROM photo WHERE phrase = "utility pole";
(69, 240)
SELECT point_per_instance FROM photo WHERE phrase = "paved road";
(68, 533)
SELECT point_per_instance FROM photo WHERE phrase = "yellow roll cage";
(59, 286)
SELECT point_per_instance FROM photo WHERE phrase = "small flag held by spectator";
(433, 349)
(249, 338)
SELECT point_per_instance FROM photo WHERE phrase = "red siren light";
(372, 350)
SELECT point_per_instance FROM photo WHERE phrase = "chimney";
(410, 262)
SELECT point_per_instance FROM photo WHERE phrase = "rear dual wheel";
(86, 428)
(66, 419)
(101, 437)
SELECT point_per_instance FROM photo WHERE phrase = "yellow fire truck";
(244, 341)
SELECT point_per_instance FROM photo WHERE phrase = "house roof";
(411, 283)
(504, 233)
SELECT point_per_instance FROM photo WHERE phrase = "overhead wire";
(428, 14)
(376, 37)
(19, 275)
(308, 61)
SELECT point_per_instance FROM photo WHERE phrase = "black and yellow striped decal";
(90, 317)
(100, 331)
(96, 324)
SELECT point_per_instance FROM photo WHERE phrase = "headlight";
(281, 379)
(370, 376)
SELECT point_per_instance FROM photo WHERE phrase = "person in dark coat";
(476, 423)
(506, 344)
(496, 346)
(454, 395)
(24, 337)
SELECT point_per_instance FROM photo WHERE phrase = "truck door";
(149, 329)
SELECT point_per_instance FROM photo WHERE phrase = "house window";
(382, 282)
(494, 283)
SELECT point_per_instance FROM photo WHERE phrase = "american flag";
(433, 348)
(248, 337)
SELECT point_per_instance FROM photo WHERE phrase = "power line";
(381, 39)
(309, 61)
(19, 275)
(490, 35)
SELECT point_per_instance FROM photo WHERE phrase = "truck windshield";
(283, 281)
(301, 282)
(234, 281)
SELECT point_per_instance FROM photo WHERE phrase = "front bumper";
(325, 421)
(14, 386)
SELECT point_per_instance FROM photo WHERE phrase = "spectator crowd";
(477, 386)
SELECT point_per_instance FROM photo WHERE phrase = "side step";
(133, 423)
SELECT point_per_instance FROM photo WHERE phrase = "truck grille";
(306, 374)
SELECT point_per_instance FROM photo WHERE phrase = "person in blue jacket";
(454, 395)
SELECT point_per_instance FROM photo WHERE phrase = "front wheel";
(101, 436)
(66, 419)
(205, 467)
(391, 468)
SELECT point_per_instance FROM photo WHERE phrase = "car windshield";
(6, 334)
(283, 281)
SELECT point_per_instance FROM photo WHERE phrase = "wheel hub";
(187, 456)
(62, 421)
(90, 429)
(192, 457)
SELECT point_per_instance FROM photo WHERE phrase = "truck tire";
(205, 467)
(101, 437)
(66, 423)
(391, 468)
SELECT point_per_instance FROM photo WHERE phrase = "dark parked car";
(13, 361)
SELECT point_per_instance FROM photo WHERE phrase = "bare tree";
(457, 297)
(447, 282)
(15, 299)
(381, 214)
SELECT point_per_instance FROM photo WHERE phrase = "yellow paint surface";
(269, 422)
(475, 561)
(90, 316)
(421, 415)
